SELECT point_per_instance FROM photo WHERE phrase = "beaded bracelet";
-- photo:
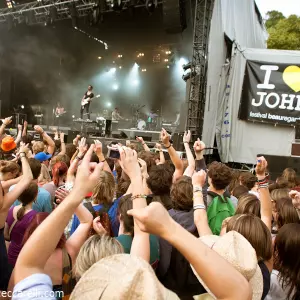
(138, 196)
(263, 185)
(199, 206)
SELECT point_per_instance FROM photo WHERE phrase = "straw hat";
(240, 254)
(8, 144)
(121, 276)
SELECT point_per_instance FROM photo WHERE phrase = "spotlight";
(187, 66)
(166, 59)
(112, 70)
(144, 70)
(22, 106)
(151, 5)
(115, 87)
(135, 82)
(99, 57)
(168, 67)
(189, 75)
(108, 104)
(140, 55)
(168, 52)
(116, 5)
(120, 56)
(120, 67)
(73, 117)
(182, 61)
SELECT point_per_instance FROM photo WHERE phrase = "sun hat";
(121, 277)
(240, 254)
(42, 156)
(8, 144)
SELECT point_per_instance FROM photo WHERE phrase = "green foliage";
(284, 33)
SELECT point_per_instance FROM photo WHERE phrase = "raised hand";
(24, 148)
(38, 129)
(7, 121)
(295, 195)
(98, 147)
(87, 175)
(153, 219)
(140, 139)
(199, 178)
(62, 137)
(261, 167)
(61, 194)
(187, 136)
(165, 137)
(158, 146)
(97, 226)
(19, 127)
(143, 165)
(82, 147)
(199, 146)
(129, 162)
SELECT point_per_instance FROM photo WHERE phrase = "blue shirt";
(113, 217)
(42, 203)
(36, 286)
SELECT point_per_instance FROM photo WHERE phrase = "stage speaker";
(119, 135)
(72, 135)
(177, 139)
(174, 16)
(146, 136)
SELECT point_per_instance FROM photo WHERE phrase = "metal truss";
(39, 12)
(198, 81)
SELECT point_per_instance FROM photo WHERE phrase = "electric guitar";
(84, 102)
(57, 115)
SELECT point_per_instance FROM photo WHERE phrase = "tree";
(284, 33)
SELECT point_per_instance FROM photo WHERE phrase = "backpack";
(104, 217)
(220, 208)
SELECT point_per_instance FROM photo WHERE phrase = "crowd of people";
(75, 223)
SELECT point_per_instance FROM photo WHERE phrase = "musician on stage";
(59, 111)
(115, 116)
(87, 96)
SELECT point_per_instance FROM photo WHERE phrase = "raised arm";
(99, 153)
(162, 159)
(5, 123)
(38, 249)
(265, 199)
(141, 140)
(19, 135)
(198, 148)
(200, 214)
(165, 138)
(190, 157)
(62, 143)
(129, 162)
(47, 138)
(208, 264)
(295, 195)
(13, 195)
(24, 133)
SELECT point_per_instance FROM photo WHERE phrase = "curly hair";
(160, 180)
(182, 194)
(248, 180)
(220, 175)
(239, 191)
(149, 158)
(287, 260)
(286, 212)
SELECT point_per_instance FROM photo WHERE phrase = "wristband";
(186, 142)
(78, 157)
(263, 185)
(197, 189)
(264, 179)
(199, 206)
(168, 146)
(138, 196)
(143, 144)
(21, 156)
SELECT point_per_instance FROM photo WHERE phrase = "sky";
(287, 7)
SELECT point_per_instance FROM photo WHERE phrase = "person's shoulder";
(32, 287)
(43, 192)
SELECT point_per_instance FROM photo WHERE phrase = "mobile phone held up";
(114, 154)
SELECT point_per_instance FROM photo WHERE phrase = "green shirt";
(126, 241)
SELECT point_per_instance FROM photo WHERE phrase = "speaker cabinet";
(72, 135)
(174, 16)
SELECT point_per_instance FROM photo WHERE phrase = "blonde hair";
(94, 249)
(38, 147)
(104, 191)
(44, 176)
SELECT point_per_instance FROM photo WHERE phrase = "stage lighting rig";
(188, 75)
(151, 5)
(187, 66)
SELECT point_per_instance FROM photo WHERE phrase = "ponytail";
(21, 213)
(59, 169)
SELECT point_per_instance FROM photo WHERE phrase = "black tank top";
(266, 278)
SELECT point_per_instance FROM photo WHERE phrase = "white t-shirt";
(276, 292)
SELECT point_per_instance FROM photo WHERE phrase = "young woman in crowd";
(285, 278)
(9, 172)
(59, 175)
(290, 176)
(6, 200)
(18, 219)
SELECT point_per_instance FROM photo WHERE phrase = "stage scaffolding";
(198, 81)
(39, 12)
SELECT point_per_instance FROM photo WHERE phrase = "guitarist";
(87, 96)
